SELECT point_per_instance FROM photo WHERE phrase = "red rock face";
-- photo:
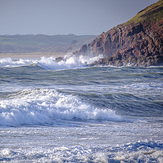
(131, 44)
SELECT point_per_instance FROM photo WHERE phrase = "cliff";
(138, 42)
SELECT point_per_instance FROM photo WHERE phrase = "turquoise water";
(69, 112)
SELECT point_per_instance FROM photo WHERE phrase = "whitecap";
(45, 106)
(51, 63)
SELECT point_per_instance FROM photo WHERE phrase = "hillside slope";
(138, 42)
(42, 43)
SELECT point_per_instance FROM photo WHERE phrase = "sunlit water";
(68, 112)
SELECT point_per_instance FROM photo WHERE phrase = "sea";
(66, 111)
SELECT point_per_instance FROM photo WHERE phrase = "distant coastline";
(27, 46)
(34, 55)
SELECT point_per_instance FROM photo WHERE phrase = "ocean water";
(69, 112)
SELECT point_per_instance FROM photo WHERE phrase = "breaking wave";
(68, 62)
(45, 106)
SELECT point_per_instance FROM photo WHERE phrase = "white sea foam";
(143, 153)
(44, 106)
(68, 62)
(9, 62)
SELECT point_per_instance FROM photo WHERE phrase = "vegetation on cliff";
(138, 42)
(150, 14)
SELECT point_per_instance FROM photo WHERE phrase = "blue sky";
(80, 17)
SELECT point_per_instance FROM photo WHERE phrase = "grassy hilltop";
(150, 14)
(138, 42)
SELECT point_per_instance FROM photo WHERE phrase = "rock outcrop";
(138, 42)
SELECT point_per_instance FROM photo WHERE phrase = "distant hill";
(138, 42)
(42, 43)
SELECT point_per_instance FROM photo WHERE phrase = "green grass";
(151, 13)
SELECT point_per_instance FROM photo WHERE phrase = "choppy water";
(67, 112)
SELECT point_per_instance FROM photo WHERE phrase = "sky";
(79, 17)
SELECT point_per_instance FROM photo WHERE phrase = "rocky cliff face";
(138, 42)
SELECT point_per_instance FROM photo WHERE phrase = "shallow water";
(68, 112)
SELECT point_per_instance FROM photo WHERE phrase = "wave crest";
(44, 107)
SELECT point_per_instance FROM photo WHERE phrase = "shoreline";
(30, 55)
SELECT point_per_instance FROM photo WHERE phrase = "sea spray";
(50, 63)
